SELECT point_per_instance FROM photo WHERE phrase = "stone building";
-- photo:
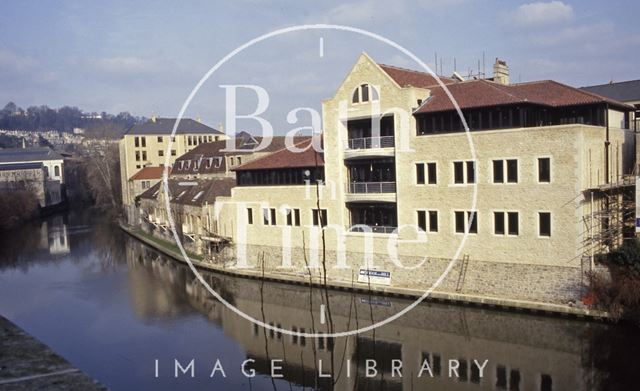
(40, 170)
(403, 189)
(146, 144)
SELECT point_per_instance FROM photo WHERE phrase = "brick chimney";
(501, 72)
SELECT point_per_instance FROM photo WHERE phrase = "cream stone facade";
(529, 228)
(145, 145)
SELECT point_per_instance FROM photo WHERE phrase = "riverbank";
(28, 364)
(172, 251)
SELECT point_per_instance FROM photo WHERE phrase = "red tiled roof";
(484, 93)
(286, 158)
(407, 77)
(148, 173)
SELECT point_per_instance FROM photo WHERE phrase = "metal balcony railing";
(371, 142)
(381, 229)
(371, 187)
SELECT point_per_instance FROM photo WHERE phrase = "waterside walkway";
(28, 364)
(172, 251)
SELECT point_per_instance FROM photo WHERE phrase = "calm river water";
(124, 314)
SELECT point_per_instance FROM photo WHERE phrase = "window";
(459, 172)
(173, 152)
(319, 215)
(511, 166)
(428, 220)
(544, 224)
(249, 215)
(364, 93)
(420, 173)
(273, 216)
(512, 171)
(189, 142)
(544, 170)
(498, 223)
(159, 139)
(433, 221)
(422, 220)
(432, 174)
(137, 156)
(143, 141)
(144, 155)
(546, 382)
(513, 220)
(498, 171)
(471, 222)
(160, 153)
(239, 160)
(231, 161)
(56, 171)
(506, 222)
(293, 217)
(136, 142)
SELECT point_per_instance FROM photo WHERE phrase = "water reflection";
(524, 352)
(112, 305)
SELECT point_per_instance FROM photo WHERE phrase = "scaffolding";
(611, 217)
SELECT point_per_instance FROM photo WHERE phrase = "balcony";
(370, 146)
(371, 191)
(378, 229)
(371, 142)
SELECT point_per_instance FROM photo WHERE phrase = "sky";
(146, 57)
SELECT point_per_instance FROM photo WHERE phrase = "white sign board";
(369, 276)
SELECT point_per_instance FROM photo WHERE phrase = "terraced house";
(399, 183)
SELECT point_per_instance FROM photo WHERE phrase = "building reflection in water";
(524, 352)
(56, 235)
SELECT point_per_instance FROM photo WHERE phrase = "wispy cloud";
(541, 13)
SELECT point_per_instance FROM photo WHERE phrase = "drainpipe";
(606, 145)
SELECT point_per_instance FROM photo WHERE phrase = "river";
(125, 314)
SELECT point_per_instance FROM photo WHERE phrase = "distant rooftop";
(14, 155)
(148, 173)
(165, 126)
(20, 166)
(625, 91)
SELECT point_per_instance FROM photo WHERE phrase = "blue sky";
(145, 57)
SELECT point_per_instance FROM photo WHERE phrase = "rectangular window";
(420, 173)
(249, 215)
(173, 152)
(273, 216)
(458, 172)
(143, 141)
(433, 221)
(462, 167)
(472, 222)
(160, 153)
(513, 220)
(432, 174)
(144, 155)
(544, 224)
(422, 220)
(471, 172)
(265, 216)
(459, 222)
(137, 156)
(512, 171)
(498, 223)
(320, 215)
(544, 170)
(136, 141)
(159, 139)
(498, 171)
(293, 217)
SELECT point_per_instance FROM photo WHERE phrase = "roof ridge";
(414, 71)
(274, 152)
